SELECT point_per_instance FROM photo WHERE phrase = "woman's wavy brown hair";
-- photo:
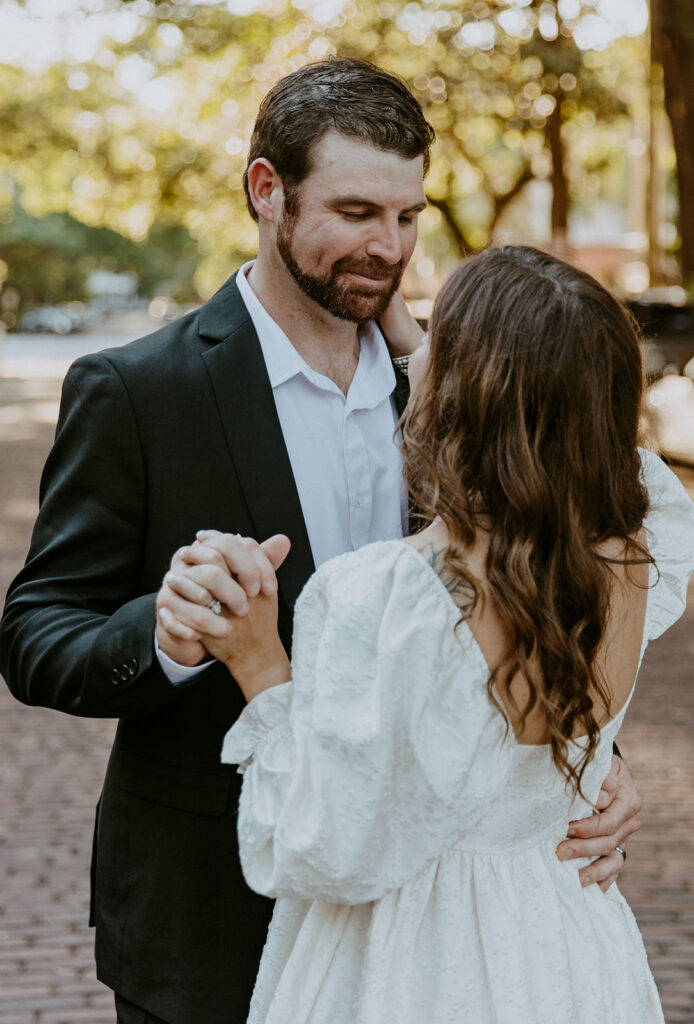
(526, 421)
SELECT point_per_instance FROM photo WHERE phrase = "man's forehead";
(351, 152)
(346, 166)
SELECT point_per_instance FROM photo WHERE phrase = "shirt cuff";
(175, 673)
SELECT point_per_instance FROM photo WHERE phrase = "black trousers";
(128, 1013)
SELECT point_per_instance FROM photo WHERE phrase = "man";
(270, 410)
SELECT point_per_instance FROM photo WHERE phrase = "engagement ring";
(216, 607)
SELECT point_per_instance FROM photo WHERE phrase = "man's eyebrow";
(360, 201)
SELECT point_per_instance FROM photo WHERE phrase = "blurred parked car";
(112, 292)
(667, 322)
(52, 319)
(65, 319)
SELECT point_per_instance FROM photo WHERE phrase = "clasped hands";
(240, 574)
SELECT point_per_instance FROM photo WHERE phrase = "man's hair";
(339, 94)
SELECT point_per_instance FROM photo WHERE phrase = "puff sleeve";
(670, 538)
(370, 763)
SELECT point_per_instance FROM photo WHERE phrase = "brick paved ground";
(51, 767)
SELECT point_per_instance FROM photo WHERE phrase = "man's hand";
(216, 566)
(619, 804)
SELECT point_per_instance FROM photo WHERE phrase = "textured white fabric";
(411, 845)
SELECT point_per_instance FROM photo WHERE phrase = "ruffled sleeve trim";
(670, 538)
(256, 724)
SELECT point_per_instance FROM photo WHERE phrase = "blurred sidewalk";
(31, 356)
(52, 766)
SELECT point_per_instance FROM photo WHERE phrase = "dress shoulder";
(366, 581)
(367, 562)
(669, 526)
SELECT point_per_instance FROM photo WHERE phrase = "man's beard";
(332, 291)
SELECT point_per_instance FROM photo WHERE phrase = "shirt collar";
(282, 360)
(374, 379)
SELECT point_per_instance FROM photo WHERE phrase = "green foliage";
(49, 258)
(150, 136)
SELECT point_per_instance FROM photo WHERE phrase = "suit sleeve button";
(133, 667)
(115, 677)
(124, 674)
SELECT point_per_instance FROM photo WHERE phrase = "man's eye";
(355, 216)
(408, 220)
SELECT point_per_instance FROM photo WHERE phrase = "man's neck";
(329, 345)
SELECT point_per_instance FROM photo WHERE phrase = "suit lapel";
(253, 433)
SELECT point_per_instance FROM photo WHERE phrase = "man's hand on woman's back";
(599, 836)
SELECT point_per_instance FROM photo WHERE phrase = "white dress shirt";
(342, 448)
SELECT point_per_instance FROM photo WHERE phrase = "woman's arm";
(400, 329)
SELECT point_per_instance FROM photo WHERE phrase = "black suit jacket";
(171, 434)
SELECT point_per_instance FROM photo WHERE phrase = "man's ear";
(263, 182)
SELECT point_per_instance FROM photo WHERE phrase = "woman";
(455, 696)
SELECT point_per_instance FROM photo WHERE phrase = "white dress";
(410, 845)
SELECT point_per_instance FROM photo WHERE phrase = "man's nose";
(386, 243)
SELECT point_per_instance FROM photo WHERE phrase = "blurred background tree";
(127, 153)
(673, 48)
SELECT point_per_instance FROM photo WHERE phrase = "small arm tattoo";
(462, 592)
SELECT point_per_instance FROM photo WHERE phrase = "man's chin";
(361, 307)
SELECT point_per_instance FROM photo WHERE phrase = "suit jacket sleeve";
(77, 632)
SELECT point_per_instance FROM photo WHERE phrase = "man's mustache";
(375, 268)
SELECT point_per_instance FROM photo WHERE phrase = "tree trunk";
(450, 218)
(673, 44)
(560, 188)
(501, 202)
